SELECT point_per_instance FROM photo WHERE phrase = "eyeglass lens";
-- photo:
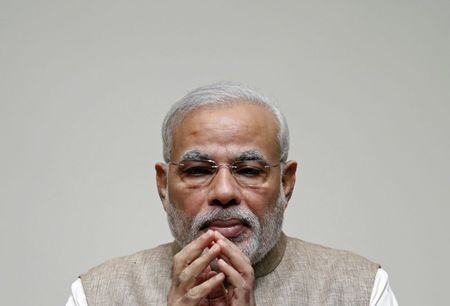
(196, 173)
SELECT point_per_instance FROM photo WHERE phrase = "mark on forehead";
(246, 155)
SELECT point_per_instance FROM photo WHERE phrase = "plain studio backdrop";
(84, 86)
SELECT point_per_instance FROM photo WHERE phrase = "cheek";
(261, 201)
(189, 201)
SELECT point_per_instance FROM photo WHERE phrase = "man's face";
(249, 216)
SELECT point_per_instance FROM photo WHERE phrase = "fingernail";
(220, 260)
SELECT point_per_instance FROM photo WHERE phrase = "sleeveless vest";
(294, 272)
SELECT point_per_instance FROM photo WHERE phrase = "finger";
(241, 289)
(231, 248)
(217, 292)
(204, 276)
(220, 301)
(234, 255)
(203, 302)
(234, 278)
(190, 252)
(188, 277)
(194, 295)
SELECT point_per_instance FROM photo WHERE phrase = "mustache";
(203, 220)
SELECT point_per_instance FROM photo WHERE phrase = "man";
(225, 184)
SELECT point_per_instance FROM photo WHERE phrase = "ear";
(288, 179)
(161, 181)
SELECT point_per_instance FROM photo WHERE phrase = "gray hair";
(222, 93)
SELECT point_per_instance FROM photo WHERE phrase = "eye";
(198, 171)
(249, 170)
(196, 168)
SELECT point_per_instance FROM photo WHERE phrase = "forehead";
(226, 131)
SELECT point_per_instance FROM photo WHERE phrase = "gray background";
(84, 86)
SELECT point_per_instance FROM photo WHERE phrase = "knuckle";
(179, 262)
(181, 278)
(246, 288)
(186, 300)
(251, 273)
(192, 295)
(248, 273)
(175, 269)
(177, 258)
(203, 237)
(248, 281)
(178, 281)
(248, 263)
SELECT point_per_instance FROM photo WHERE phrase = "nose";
(224, 190)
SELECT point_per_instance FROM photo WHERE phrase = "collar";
(272, 259)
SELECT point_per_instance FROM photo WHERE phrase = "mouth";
(230, 228)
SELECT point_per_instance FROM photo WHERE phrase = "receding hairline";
(222, 94)
(183, 115)
(223, 105)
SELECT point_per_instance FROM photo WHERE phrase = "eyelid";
(199, 161)
(261, 161)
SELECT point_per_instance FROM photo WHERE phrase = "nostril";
(218, 202)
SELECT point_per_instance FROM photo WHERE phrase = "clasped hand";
(195, 283)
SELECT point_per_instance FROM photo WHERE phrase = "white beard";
(263, 235)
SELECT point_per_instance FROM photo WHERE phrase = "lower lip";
(229, 231)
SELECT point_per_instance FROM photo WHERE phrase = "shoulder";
(326, 258)
(137, 279)
(323, 275)
(157, 258)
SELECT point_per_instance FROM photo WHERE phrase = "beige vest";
(294, 272)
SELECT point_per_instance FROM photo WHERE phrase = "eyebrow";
(246, 155)
(251, 155)
(194, 155)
